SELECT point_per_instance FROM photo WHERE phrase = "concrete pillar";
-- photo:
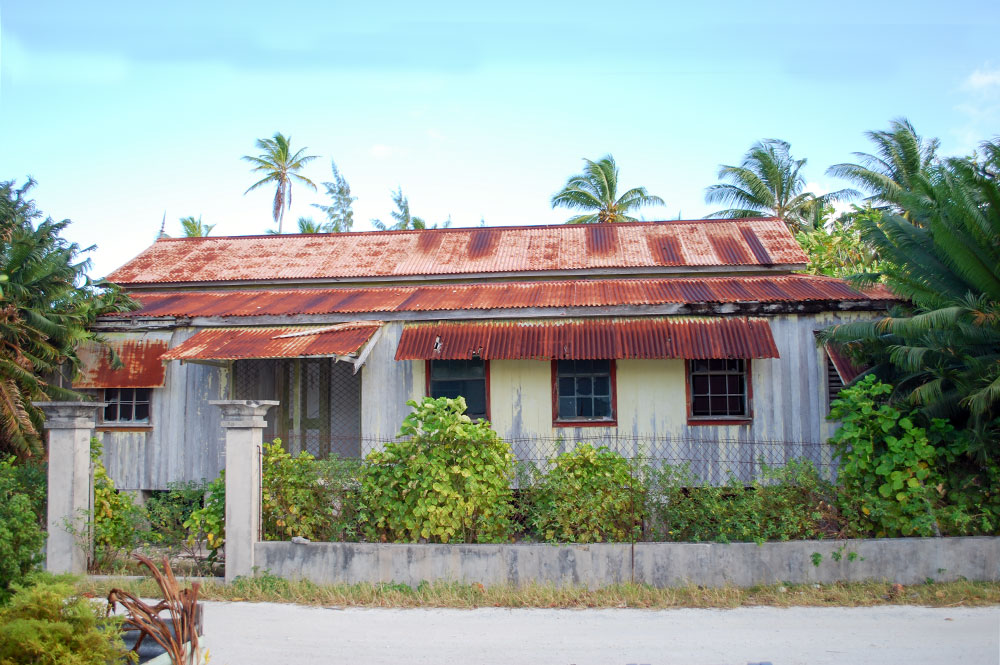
(243, 420)
(70, 426)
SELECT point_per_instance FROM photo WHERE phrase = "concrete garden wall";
(902, 560)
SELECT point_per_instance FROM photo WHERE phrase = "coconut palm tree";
(194, 228)
(279, 167)
(768, 183)
(942, 352)
(596, 192)
(901, 158)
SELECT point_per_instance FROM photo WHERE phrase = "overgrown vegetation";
(590, 495)
(116, 522)
(21, 537)
(48, 621)
(447, 480)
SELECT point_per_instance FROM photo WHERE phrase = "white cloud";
(983, 81)
(434, 134)
(381, 151)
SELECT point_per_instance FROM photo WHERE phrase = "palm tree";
(768, 183)
(596, 191)
(339, 214)
(194, 228)
(404, 220)
(901, 158)
(943, 352)
(307, 225)
(279, 166)
(46, 307)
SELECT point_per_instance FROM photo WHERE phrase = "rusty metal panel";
(619, 338)
(846, 369)
(274, 342)
(140, 357)
(513, 295)
(442, 252)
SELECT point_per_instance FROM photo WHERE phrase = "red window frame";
(612, 422)
(717, 420)
(486, 367)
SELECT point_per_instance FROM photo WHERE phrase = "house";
(693, 335)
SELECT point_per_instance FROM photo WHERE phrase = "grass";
(268, 588)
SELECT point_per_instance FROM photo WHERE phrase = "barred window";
(719, 388)
(466, 378)
(126, 405)
(584, 390)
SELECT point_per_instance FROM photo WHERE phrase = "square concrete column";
(71, 426)
(243, 421)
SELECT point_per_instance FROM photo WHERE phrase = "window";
(126, 405)
(833, 382)
(468, 378)
(719, 389)
(584, 390)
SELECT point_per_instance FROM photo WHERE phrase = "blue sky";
(124, 111)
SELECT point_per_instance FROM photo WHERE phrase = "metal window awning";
(842, 363)
(140, 355)
(344, 341)
(578, 339)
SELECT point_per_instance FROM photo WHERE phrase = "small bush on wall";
(590, 495)
(447, 480)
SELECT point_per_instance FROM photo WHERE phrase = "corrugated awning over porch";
(579, 339)
(140, 357)
(342, 339)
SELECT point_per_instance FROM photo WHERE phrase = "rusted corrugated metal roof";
(443, 252)
(511, 295)
(141, 364)
(846, 369)
(579, 339)
(271, 342)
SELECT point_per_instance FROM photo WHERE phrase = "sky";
(126, 112)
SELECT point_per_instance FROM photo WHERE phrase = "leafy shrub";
(590, 495)
(31, 476)
(902, 479)
(786, 503)
(168, 510)
(208, 523)
(116, 520)
(447, 480)
(47, 623)
(21, 538)
(301, 496)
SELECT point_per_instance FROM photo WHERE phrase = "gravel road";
(264, 633)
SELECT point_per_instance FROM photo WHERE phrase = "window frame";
(486, 367)
(719, 420)
(134, 425)
(588, 422)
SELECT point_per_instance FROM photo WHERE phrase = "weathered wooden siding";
(184, 440)
(386, 385)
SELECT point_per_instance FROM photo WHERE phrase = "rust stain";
(271, 342)
(141, 365)
(463, 251)
(510, 295)
(579, 339)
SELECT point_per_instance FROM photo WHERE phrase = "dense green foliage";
(21, 537)
(595, 193)
(899, 479)
(168, 510)
(590, 495)
(301, 496)
(786, 503)
(446, 480)
(195, 228)
(941, 351)
(835, 248)
(279, 166)
(46, 623)
(208, 523)
(47, 303)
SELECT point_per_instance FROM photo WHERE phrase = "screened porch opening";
(320, 403)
